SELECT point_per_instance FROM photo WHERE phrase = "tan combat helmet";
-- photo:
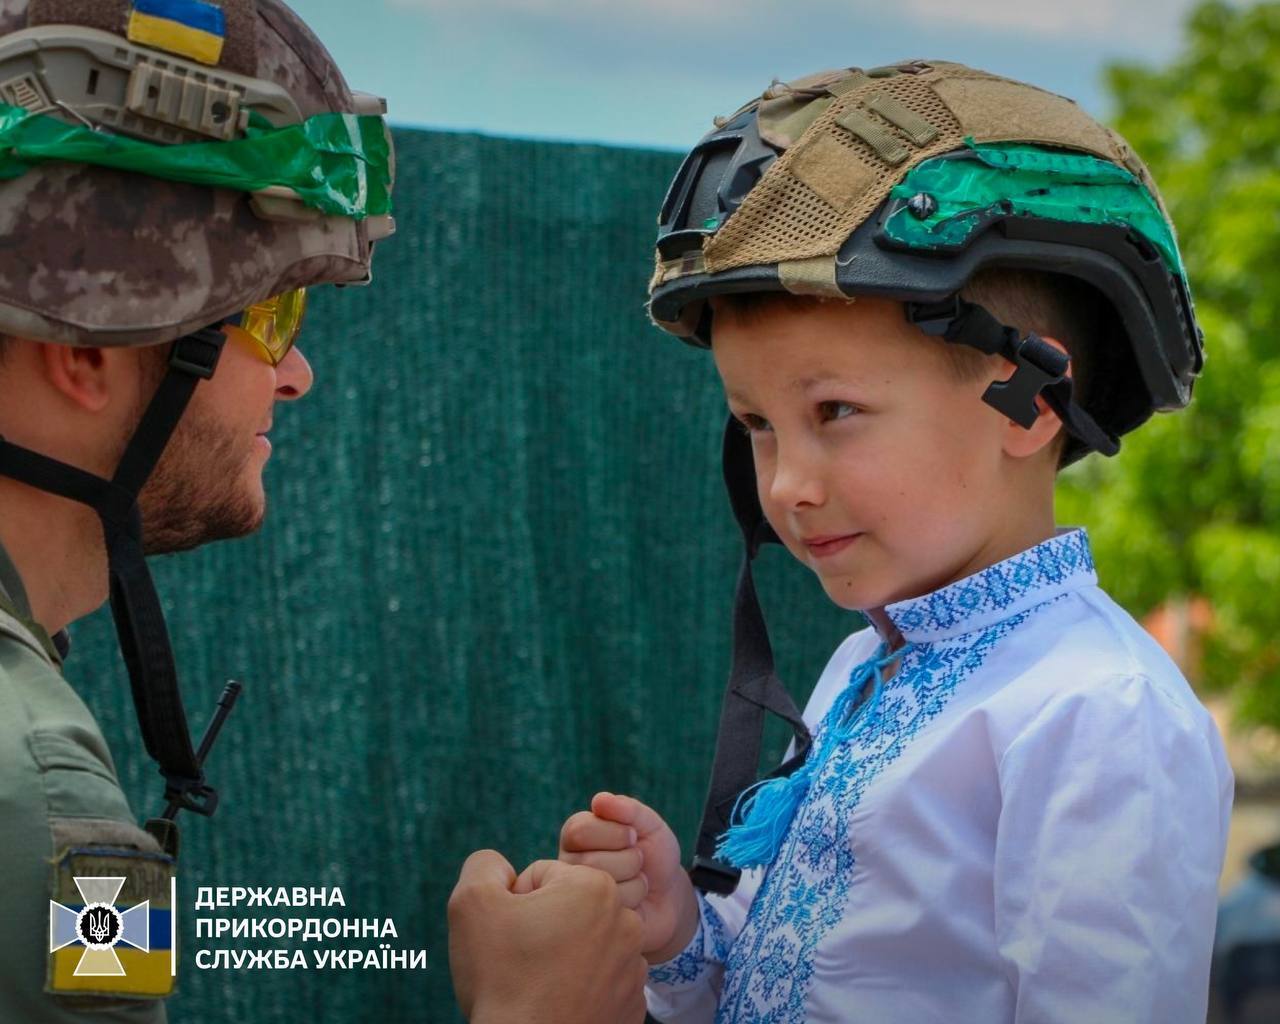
(903, 182)
(164, 166)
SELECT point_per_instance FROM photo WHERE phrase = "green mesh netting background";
(496, 574)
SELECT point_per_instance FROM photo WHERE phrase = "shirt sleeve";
(1114, 804)
(54, 767)
(686, 988)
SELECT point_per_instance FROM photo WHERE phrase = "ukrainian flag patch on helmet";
(189, 28)
(111, 924)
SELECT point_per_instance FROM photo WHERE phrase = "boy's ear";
(1022, 442)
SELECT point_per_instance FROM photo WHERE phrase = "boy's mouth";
(831, 544)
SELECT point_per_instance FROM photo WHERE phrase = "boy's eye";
(836, 410)
(754, 424)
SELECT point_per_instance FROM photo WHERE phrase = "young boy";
(1011, 806)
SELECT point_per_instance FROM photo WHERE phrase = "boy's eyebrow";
(799, 385)
(809, 383)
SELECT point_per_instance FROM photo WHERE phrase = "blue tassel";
(763, 813)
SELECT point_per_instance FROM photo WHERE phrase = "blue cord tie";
(763, 813)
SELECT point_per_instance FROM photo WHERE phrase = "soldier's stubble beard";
(196, 492)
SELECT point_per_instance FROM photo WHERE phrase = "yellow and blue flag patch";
(189, 28)
(111, 928)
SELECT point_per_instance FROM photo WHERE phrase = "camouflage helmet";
(904, 182)
(101, 255)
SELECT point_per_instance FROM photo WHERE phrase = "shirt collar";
(1054, 567)
(13, 597)
(11, 589)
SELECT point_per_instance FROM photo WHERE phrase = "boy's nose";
(795, 482)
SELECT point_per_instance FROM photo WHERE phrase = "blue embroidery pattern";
(696, 959)
(770, 965)
(996, 589)
(686, 967)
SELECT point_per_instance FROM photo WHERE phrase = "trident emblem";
(98, 925)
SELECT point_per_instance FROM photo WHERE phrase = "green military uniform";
(58, 791)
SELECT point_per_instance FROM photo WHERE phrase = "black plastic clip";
(1037, 366)
(934, 318)
(711, 875)
(184, 793)
(197, 353)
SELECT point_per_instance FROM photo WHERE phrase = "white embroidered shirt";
(1030, 830)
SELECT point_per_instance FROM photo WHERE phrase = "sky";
(653, 73)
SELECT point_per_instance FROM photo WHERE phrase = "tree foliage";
(1192, 506)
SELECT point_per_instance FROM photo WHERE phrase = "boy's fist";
(629, 841)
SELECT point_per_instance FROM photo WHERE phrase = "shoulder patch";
(111, 925)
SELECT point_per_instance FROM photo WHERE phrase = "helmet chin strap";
(754, 688)
(1039, 368)
(135, 607)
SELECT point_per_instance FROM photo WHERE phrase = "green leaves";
(1192, 505)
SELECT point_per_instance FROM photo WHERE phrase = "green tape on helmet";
(338, 164)
(944, 201)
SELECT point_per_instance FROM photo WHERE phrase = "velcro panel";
(107, 15)
(240, 48)
(841, 179)
(783, 120)
(916, 128)
(110, 916)
(879, 137)
(834, 172)
(996, 110)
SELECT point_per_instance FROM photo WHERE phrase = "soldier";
(173, 175)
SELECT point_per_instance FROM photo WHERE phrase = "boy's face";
(877, 465)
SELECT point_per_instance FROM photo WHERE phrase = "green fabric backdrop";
(496, 574)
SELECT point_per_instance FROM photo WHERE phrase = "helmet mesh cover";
(820, 190)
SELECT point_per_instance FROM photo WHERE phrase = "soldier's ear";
(86, 377)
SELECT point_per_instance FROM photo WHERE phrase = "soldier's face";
(208, 484)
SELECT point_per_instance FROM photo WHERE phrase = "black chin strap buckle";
(935, 318)
(197, 353)
(1037, 366)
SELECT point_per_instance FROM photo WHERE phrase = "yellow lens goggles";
(274, 323)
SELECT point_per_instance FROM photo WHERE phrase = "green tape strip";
(339, 164)
(1030, 181)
